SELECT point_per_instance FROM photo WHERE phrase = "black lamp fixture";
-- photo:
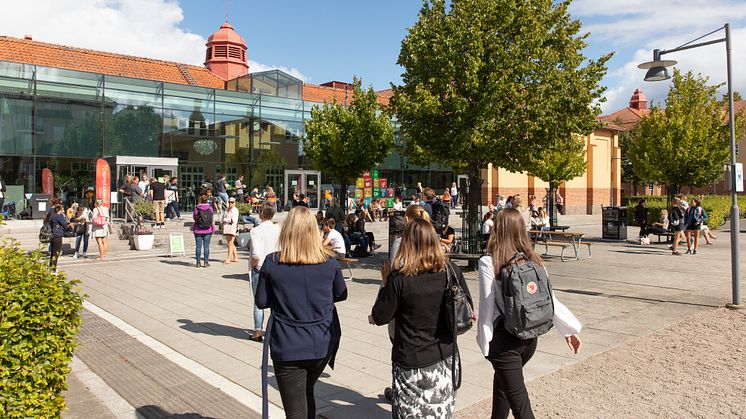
(657, 71)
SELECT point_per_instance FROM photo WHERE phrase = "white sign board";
(739, 177)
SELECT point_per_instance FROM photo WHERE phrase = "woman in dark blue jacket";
(694, 218)
(300, 284)
(58, 223)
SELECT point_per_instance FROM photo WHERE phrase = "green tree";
(489, 81)
(687, 143)
(134, 131)
(561, 161)
(345, 141)
(78, 138)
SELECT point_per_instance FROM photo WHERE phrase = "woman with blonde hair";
(677, 219)
(230, 228)
(412, 295)
(300, 284)
(100, 231)
(505, 351)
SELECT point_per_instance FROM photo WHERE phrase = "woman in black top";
(360, 228)
(59, 225)
(412, 295)
(300, 284)
(678, 223)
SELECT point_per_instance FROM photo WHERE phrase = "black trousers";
(296, 380)
(54, 252)
(508, 355)
(371, 239)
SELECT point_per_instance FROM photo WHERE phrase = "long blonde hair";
(299, 241)
(508, 238)
(420, 250)
(417, 211)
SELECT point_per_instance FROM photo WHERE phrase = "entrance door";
(307, 182)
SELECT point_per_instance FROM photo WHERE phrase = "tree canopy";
(687, 143)
(344, 141)
(489, 81)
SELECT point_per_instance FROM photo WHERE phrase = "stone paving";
(623, 292)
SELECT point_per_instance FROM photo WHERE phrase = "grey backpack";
(526, 298)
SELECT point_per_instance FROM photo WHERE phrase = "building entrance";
(307, 182)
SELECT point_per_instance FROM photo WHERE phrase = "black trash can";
(614, 223)
(40, 203)
(396, 226)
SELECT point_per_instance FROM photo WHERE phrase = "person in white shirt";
(398, 205)
(263, 241)
(144, 183)
(506, 352)
(333, 238)
(454, 195)
(487, 224)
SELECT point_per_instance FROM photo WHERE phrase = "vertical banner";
(47, 182)
(103, 182)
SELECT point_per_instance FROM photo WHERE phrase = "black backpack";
(526, 298)
(440, 215)
(204, 218)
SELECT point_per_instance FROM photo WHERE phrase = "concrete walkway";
(623, 292)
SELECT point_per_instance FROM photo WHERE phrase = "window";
(209, 54)
(221, 51)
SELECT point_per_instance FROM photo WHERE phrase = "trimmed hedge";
(144, 208)
(39, 318)
(716, 206)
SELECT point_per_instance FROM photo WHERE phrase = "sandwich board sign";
(176, 244)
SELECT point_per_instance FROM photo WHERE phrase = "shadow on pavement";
(215, 329)
(156, 412)
(240, 277)
(177, 262)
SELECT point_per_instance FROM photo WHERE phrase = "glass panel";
(88, 93)
(312, 189)
(67, 129)
(134, 85)
(123, 97)
(16, 86)
(188, 122)
(16, 126)
(133, 131)
(16, 70)
(58, 75)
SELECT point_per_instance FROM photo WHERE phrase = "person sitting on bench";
(661, 227)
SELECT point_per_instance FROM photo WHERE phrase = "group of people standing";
(81, 221)
(685, 219)
(295, 274)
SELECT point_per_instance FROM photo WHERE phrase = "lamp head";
(657, 68)
(657, 74)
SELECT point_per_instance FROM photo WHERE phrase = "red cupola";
(226, 53)
(638, 101)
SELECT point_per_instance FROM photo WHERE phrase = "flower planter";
(144, 241)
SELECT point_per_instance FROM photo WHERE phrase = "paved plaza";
(161, 337)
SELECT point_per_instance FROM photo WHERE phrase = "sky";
(324, 40)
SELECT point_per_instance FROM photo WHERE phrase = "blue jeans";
(223, 196)
(251, 219)
(173, 206)
(258, 313)
(84, 239)
(454, 201)
(203, 244)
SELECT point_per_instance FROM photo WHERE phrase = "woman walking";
(487, 224)
(412, 295)
(58, 223)
(505, 351)
(82, 230)
(203, 228)
(300, 285)
(100, 229)
(678, 222)
(694, 219)
(230, 227)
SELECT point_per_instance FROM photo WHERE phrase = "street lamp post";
(657, 70)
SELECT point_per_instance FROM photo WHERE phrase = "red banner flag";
(103, 182)
(47, 182)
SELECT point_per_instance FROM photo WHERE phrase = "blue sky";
(328, 40)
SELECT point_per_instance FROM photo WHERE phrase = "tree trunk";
(472, 219)
(342, 194)
(550, 203)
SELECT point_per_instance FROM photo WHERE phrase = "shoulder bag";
(459, 315)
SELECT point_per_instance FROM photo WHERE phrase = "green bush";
(716, 206)
(243, 209)
(144, 208)
(39, 318)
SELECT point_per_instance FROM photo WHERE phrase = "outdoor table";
(574, 239)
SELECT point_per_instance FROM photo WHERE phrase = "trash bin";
(40, 203)
(614, 223)
(396, 226)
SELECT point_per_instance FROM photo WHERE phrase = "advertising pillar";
(103, 182)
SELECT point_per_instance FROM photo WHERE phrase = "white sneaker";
(75, 255)
(85, 254)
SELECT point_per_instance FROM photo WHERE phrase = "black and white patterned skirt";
(424, 392)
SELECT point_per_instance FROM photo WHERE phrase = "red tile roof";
(80, 59)
(624, 119)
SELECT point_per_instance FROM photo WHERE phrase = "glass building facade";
(64, 120)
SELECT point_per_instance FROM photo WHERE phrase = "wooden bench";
(349, 262)
(667, 235)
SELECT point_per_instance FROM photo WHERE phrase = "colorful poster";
(384, 183)
(366, 173)
(376, 193)
(389, 202)
(390, 192)
(376, 182)
(47, 182)
(358, 193)
(375, 173)
(103, 182)
(368, 193)
(368, 183)
(360, 183)
(367, 202)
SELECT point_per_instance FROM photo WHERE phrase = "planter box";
(144, 241)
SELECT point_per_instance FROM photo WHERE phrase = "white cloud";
(635, 27)
(144, 28)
